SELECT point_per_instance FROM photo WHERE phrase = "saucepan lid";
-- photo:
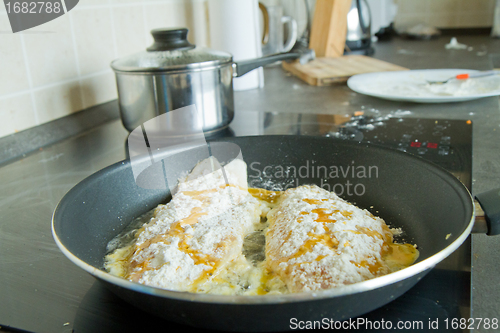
(171, 51)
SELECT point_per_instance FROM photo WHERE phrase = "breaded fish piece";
(190, 239)
(318, 241)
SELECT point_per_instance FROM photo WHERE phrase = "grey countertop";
(40, 179)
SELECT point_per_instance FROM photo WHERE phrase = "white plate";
(412, 86)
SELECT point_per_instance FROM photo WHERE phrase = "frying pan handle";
(488, 212)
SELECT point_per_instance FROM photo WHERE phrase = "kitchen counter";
(32, 186)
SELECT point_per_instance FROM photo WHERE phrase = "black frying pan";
(434, 209)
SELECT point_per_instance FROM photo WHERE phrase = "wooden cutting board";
(328, 71)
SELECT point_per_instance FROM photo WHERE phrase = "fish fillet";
(190, 239)
(318, 241)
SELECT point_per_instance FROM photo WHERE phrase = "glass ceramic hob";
(42, 291)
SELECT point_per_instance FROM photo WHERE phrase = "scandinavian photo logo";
(164, 149)
(343, 179)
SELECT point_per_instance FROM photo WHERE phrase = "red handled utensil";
(467, 76)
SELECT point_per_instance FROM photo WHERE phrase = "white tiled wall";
(62, 66)
(445, 13)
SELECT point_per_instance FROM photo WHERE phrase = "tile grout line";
(30, 80)
(146, 32)
(77, 60)
(113, 32)
(55, 84)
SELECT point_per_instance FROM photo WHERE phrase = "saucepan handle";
(488, 213)
(242, 67)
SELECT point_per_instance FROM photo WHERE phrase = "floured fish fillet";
(193, 237)
(318, 241)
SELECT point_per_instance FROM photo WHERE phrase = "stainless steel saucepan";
(173, 73)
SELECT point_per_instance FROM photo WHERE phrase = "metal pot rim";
(193, 67)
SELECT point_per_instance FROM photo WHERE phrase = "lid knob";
(168, 39)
